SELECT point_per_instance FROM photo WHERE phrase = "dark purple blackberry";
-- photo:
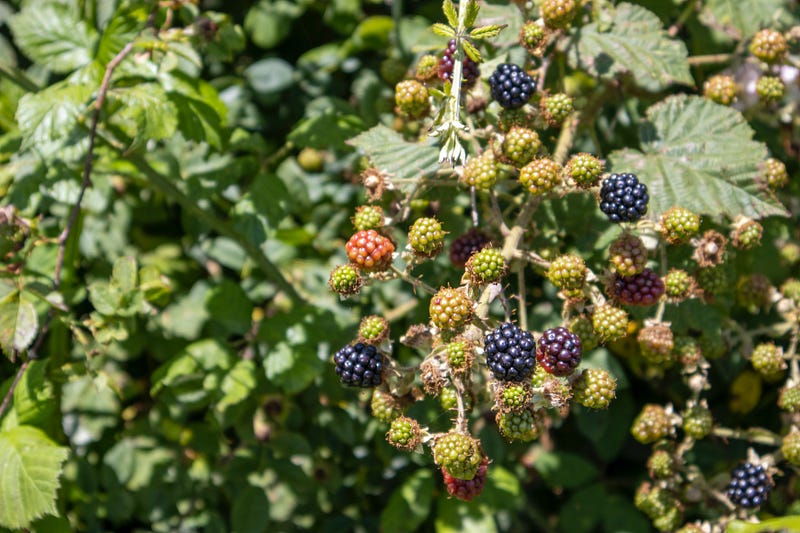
(749, 486)
(623, 198)
(509, 352)
(644, 288)
(559, 351)
(511, 86)
(470, 72)
(359, 365)
(467, 244)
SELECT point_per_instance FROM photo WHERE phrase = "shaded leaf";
(564, 469)
(250, 511)
(409, 504)
(631, 40)
(701, 156)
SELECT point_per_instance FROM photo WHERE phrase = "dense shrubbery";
(551, 246)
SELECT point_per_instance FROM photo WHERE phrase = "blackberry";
(789, 398)
(595, 388)
(449, 401)
(790, 447)
(404, 434)
(450, 308)
(540, 175)
(686, 351)
(714, 280)
(559, 351)
(460, 354)
(511, 86)
(749, 486)
(384, 406)
(370, 251)
(508, 118)
(678, 285)
(623, 198)
(426, 237)
(520, 145)
(556, 108)
(359, 365)
(770, 89)
(642, 289)
(486, 266)
(791, 290)
(678, 225)
(509, 352)
(345, 280)
(467, 244)
(558, 14)
(767, 360)
(466, 490)
(368, 217)
(585, 170)
(652, 424)
(411, 98)
(753, 292)
(458, 454)
(522, 426)
(609, 322)
(480, 172)
(773, 174)
(628, 255)
(656, 343)
(746, 233)
(769, 46)
(698, 422)
(568, 273)
(470, 72)
(661, 464)
(511, 397)
(533, 38)
(582, 327)
(427, 68)
(720, 89)
(373, 330)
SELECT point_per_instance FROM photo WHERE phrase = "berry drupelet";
(511, 86)
(749, 486)
(470, 72)
(623, 198)
(510, 352)
(559, 351)
(359, 365)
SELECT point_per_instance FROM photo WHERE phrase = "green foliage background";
(184, 381)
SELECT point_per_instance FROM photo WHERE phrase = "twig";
(523, 312)
(416, 282)
(791, 354)
(709, 59)
(756, 435)
(682, 18)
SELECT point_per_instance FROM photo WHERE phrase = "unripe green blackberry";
(373, 330)
(628, 255)
(486, 266)
(659, 505)
(714, 280)
(556, 108)
(533, 38)
(790, 447)
(311, 159)
(670, 520)
(384, 406)
(520, 146)
(609, 322)
(656, 344)
(450, 308)
(652, 424)
(427, 68)
(770, 89)
(720, 89)
(449, 401)
(767, 359)
(769, 46)
(404, 434)
(345, 280)
(460, 354)
(678, 225)
(791, 290)
(582, 327)
(686, 351)
(458, 454)
(509, 118)
(691, 528)
(368, 217)
(661, 464)
(789, 398)
(568, 273)
(790, 253)
(585, 170)
(411, 98)
(678, 285)
(558, 14)
(511, 397)
(595, 388)
(480, 172)
(520, 426)
(697, 422)
(426, 237)
(540, 176)
(712, 345)
(746, 233)
(773, 174)
(753, 292)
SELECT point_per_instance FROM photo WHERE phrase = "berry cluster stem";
(416, 282)
(755, 435)
(792, 355)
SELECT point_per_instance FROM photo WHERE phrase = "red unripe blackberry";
(360, 365)
(641, 289)
(652, 424)
(450, 308)
(540, 176)
(720, 89)
(458, 454)
(628, 255)
(470, 72)
(510, 352)
(769, 46)
(466, 490)
(585, 170)
(568, 273)
(595, 388)
(749, 486)
(559, 351)
(426, 237)
(370, 251)
(467, 244)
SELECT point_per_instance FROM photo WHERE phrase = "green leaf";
(269, 22)
(472, 13)
(564, 469)
(270, 76)
(18, 320)
(147, 113)
(229, 308)
(53, 35)
(125, 274)
(487, 32)
(409, 504)
(740, 18)
(235, 388)
(31, 465)
(250, 508)
(449, 10)
(471, 51)
(34, 399)
(444, 30)
(632, 40)
(120, 30)
(583, 510)
(455, 516)
(328, 129)
(197, 120)
(391, 154)
(701, 156)
(784, 523)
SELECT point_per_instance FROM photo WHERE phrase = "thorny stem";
(461, 416)
(663, 303)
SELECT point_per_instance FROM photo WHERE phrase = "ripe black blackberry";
(509, 352)
(749, 486)
(623, 198)
(470, 72)
(511, 86)
(559, 351)
(359, 365)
